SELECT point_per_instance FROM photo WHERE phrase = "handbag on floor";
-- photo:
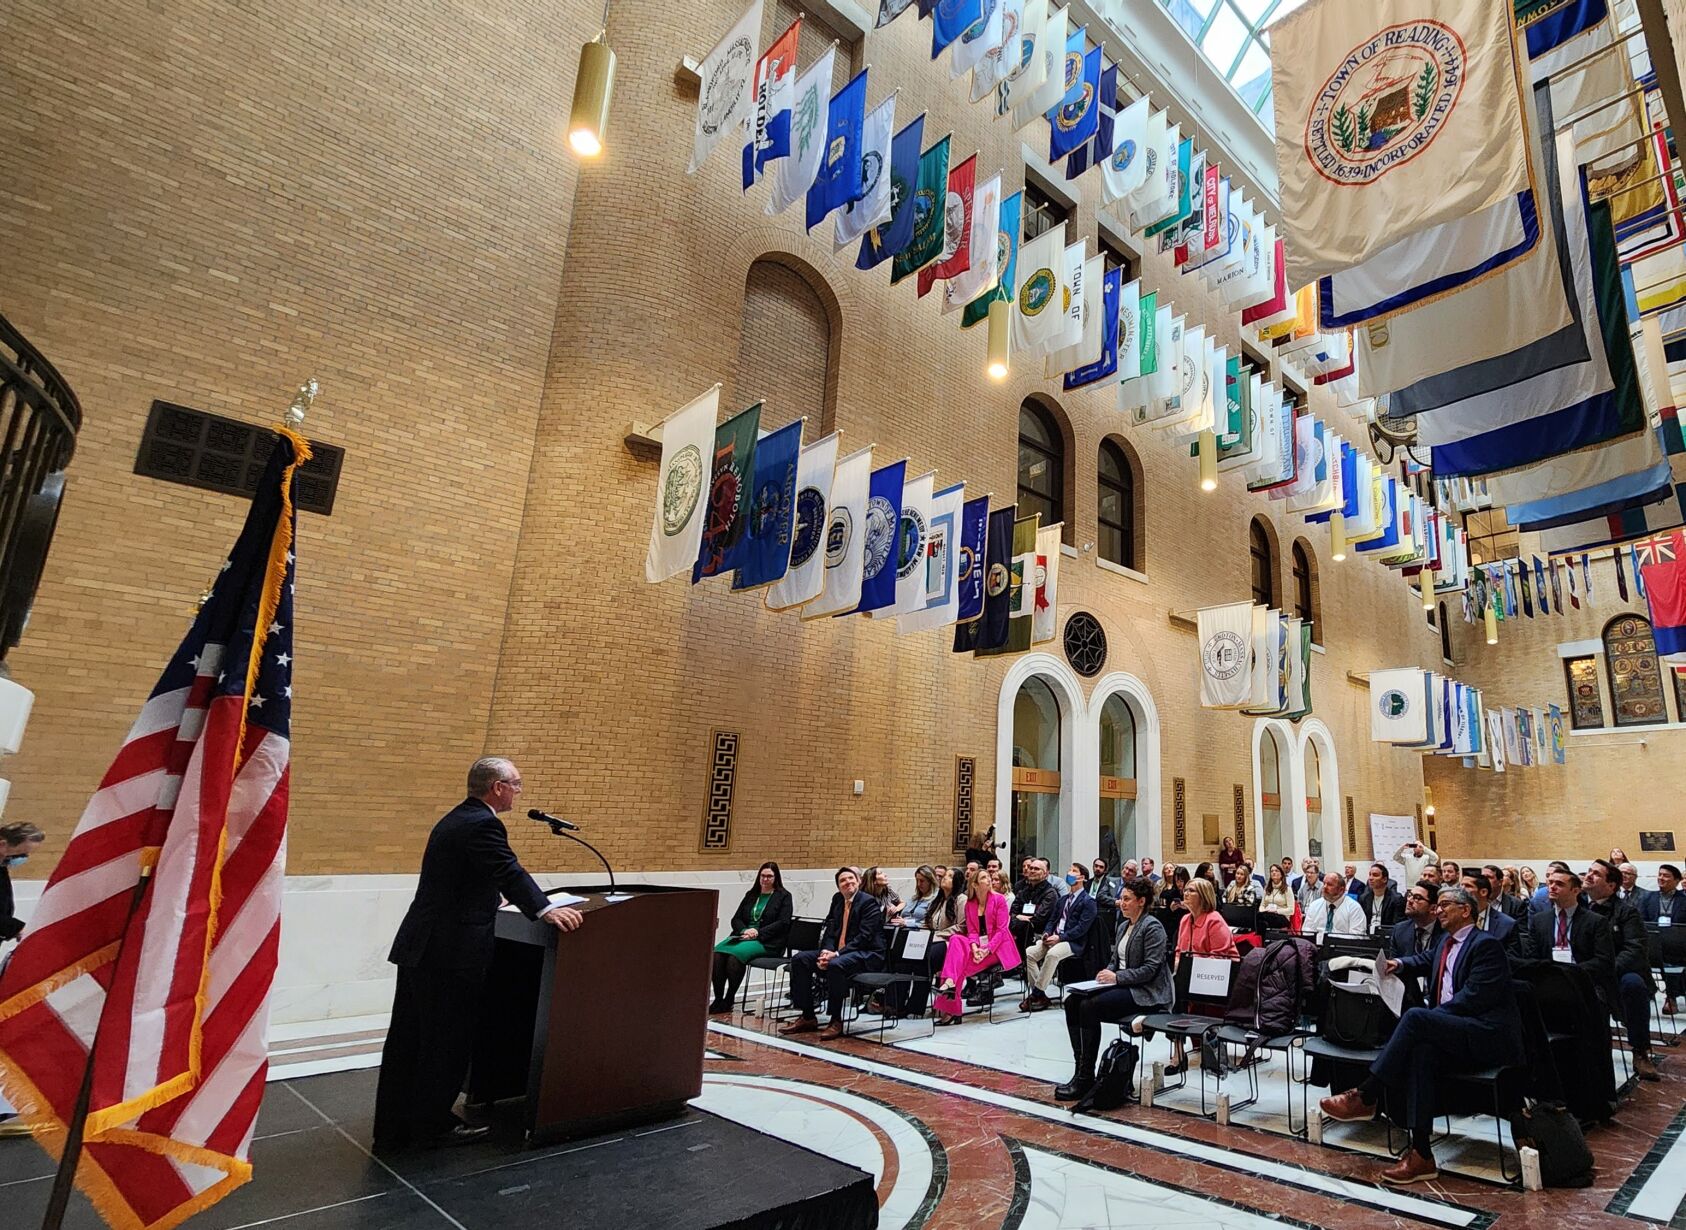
(1112, 1087)
(1565, 1160)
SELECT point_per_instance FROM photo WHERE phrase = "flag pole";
(65, 1179)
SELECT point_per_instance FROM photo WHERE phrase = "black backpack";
(1112, 1087)
(1565, 1160)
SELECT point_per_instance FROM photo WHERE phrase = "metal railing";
(39, 419)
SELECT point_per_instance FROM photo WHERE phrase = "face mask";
(1070, 878)
(16, 859)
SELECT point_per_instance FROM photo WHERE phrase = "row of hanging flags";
(823, 532)
(1255, 660)
(1423, 711)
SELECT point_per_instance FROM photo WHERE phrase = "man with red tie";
(1472, 1023)
(852, 942)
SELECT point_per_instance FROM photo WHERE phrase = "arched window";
(1305, 588)
(1445, 634)
(1041, 464)
(1118, 782)
(1036, 772)
(1272, 839)
(1636, 684)
(1263, 551)
(788, 346)
(1120, 528)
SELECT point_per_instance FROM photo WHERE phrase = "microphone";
(555, 822)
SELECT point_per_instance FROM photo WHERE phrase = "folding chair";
(804, 934)
(1203, 990)
(1240, 916)
(905, 965)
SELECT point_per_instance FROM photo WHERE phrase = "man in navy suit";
(1488, 916)
(1417, 932)
(442, 950)
(1472, 1022)
(851, 942)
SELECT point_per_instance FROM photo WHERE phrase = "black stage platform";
(313, 1172)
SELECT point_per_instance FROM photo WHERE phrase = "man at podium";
(443, 950)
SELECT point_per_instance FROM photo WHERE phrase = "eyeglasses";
(511, 781)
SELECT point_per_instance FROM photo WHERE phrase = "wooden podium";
(605, 1026)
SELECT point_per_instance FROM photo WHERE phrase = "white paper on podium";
(555, 900)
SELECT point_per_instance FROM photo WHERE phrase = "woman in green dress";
(758, 930)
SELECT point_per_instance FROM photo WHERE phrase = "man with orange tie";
(852, 942)
(1472, 1023)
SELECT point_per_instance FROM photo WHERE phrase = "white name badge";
(1663, 920)
(1209, 976)
(1563, 956)
(1027, 912)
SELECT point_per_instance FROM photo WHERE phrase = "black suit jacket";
(1627, 938)
(10, 927)
(465, 867)
(1482, 993)
(866, 925)
(1402, 940)
(1393, 906)
(1589, 943)
(1516, 907)
(1046, 898)
(774, 926)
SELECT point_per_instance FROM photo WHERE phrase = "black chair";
(804, 934)
(900, 970)
(1240, 916)
(1190, 1018)
(1668, 958)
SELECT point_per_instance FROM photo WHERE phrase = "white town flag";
(979, 39)
(1045, 617)
(843, 544)
(873, 208)
(1399, 706)
(941, 565)
(687, 458)
(1263, 690)
(806, 576)
(1001, 59)
(1086, 315)
(912, 533)
(1020, 73)
(1031, 104)
(726, 97)
(1038, 303)
(1158, 192)
(1225, 632)
(1130, 332)
(1392, 116)
(1075, 285)
(794, 175)
(986, 243)
(1126, 170)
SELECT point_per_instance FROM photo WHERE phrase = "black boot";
(1083, 1079)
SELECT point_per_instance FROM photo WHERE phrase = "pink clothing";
(1209, 937)
(958, 964)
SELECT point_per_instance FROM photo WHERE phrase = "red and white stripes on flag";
(177, 996)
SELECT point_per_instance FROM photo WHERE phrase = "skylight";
(1230, 34)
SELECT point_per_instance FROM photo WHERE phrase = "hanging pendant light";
(1492, 626)
(1208, 461)
(594, 85)
(997, 364)
(1337, 537)
(1426, 578)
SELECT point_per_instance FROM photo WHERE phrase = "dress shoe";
(718, 1006)
(1041, 1003)
(833, 1032)
(462, 1134)
(806, 1024)
(1645, 1068)
(1074, 1089)
(1177, 1068)
(1348, 1107)
(1411, 1168)
(1668, 1006)
(1027, 1004)
(944, 1018)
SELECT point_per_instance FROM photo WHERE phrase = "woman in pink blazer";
(983, 941)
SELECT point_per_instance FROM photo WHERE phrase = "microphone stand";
(613, 894)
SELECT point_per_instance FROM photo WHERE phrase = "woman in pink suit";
(981, 942)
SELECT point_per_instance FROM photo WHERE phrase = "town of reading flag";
(765, 554)
(731, 468)
(1073, 121)
(955, 255)
(939, 565)
(882, 242)
(1007, 258)
(989, 631)
(879, 535)
(806, 576)
(794, 175)
(838, 181)
(1225, 640)
(174, 983)
(873, 208)
(969, 565)
(687, 445)
(1105, 367)
(930, 195)
(1391, 117)
(775, 93)
(840, 544)
(725, 102)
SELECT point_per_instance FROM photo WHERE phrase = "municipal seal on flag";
(880, 535)
(1393, 704)
(810, 522)
(1386, 103)
(912, 542)
(839, 533)
(1222, 657)
(1037, 292)
(995, 584)
(975, 31)
(725, 86)
(968, 563)
(1124, 155)
(681, 487)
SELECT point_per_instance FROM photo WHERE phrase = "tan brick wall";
(215, 203)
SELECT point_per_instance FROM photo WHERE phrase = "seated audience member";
(1541, 898)
(1033, 907)
(1472, 1022)
(759, 928)
(1530, 882)
(1278, 898)
(851, 942)
(1413, 856)
(1506, 891)
(1332, 912)
(1488, 916)
(984, 940)
(1174, 895)
(1136, 981)
(1253, 875)
(1022, 884)
(1354, 886)
(1417, 931)
(924, 892)
(1286, 862)
(992, 865)
(1103, 886)
(877, 884)
(1667, 908)
(1148, 874)
(1202, 932)
(1630, 890)
(1382, 905)
(1308, 885)
(1242, 890)
(1633, 984)
(1068, 931)
(944, 917)
(1450, 871)
(1567, 931)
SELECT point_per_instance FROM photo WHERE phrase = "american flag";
(173, 1002)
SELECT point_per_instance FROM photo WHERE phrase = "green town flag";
(728, 494)
(930, 194)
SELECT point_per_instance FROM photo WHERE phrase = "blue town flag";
(1349, 484)
(990, 631)
(1105, 367)
(1007, 258)
(882, 537)
(764, 554)
(882, 242)
(1100, 149)
(950, 19)
(974, 524)
(1550, 32)
(1540, 586)
(841, 180)
(1074, 120)
(1390, 513)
